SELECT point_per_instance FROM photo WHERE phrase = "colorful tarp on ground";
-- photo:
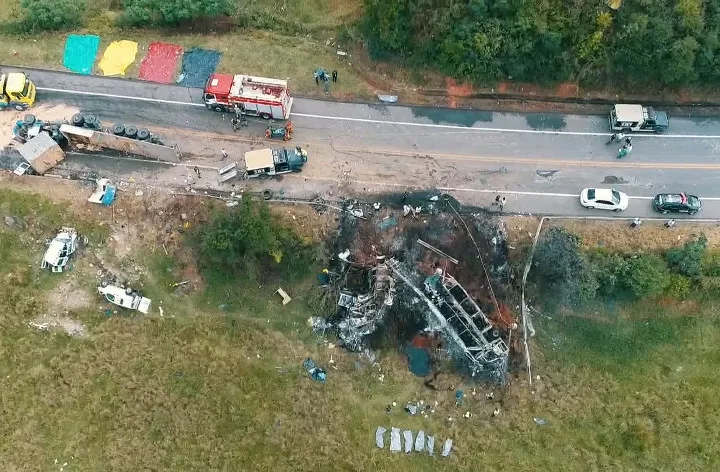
(197, 66)
(160, 62)
(80, 52)
(118, 57)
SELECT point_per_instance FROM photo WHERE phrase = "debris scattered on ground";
(380, 437)
(316, 373)
(285, 297)
(59, 250)
(104, 193)
(125, 297)
(459, 396)
(418, 361)
(60, 323)
(447, 447)
(540, 421)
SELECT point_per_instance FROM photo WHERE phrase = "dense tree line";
(643, 42)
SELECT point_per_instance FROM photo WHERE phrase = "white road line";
(385, 122)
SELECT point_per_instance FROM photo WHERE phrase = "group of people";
(322, 75)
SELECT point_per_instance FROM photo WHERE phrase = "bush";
(172, 12)
(687, 260)
(610, 272)
(48, 15)
(711, 263)
(678, 287)
(647, 275)
(562, 269)
(246, 239)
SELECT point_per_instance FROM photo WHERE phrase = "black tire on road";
(143, 134)
(267, 194)
(131, 131)
(77, 119)
(118, 129)
(217, 108)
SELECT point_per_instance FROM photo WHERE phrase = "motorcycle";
(624, 151)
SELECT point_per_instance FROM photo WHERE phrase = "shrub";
(647, 275)
(610, 272)
(47, 15)
(711, 263)
(562, 269)
(687, 259)
(172, 12)
(678, 287)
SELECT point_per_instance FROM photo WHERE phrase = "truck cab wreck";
(627, 118)
(264, 163)
(60, 248)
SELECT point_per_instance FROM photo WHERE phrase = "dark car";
(677, 203)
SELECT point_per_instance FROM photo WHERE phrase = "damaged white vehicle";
(59, 250)
(125, 297)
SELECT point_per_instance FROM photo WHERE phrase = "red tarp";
(160, 62)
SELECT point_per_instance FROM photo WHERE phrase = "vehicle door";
(649, 124)
(604, 204)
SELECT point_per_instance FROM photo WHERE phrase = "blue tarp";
(109, 195)
(197, 67)
(80, 52)
(418, 361)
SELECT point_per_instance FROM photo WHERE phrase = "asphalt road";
(539, 161)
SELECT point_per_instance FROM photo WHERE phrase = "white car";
(125, 297)
(604, 199)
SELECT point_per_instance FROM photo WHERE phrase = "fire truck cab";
(246, 95)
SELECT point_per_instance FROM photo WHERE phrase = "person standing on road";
(502, 203)
(670, 223)
(636, 223)
(224, 154)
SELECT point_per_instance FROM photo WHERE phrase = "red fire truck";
(252, 96)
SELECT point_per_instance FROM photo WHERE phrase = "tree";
(680, 67)
(562, 269)
(647, 275)
(687, 260)
(44, 15)
(248, 239)
(610, 272)
(172, 12)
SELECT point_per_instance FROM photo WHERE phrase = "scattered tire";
(267, 194)
(29, 120)
(143, 134)
(118, 129)
(77, 119)
(131, 131)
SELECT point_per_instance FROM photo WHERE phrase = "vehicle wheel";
(590, 208)
(263, 176)
(265, 116)
(29, 120)
(691, 212)
(128, 291)
(267, 194)
(217, 108)
(617, 209)
(90, 120)
(131, 132)
(143, 134)
(297, 171)
(77, 120)
(118, 129)
(20, 107)
(664, 212)
(103, 283)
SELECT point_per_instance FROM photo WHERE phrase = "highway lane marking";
(386, 122)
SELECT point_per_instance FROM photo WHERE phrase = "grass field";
(295, 41)
(211, 388)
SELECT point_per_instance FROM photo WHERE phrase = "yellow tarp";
(118, 57)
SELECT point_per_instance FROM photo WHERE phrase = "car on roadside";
(604, 199)
(677, 203)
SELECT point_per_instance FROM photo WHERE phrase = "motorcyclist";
(628, 142)
(617, 137)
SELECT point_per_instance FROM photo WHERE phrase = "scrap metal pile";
(368, 293)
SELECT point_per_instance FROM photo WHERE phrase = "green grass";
(211, 389)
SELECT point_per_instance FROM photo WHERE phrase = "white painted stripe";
(385, 122)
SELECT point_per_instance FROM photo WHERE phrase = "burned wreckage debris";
(367, 296)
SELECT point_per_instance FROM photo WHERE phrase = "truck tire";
(90, 120)
(143, 134)
(267, 194)
(218, 108)
(20, 107)
(118, 129)
(77, 119)
(29, 120)
(297, 171)
(265, 116)
(131, 132)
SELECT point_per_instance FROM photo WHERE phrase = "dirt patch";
(8, 118)
(62, 324)
(306, 220)
(67, 296)
(650, 236)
